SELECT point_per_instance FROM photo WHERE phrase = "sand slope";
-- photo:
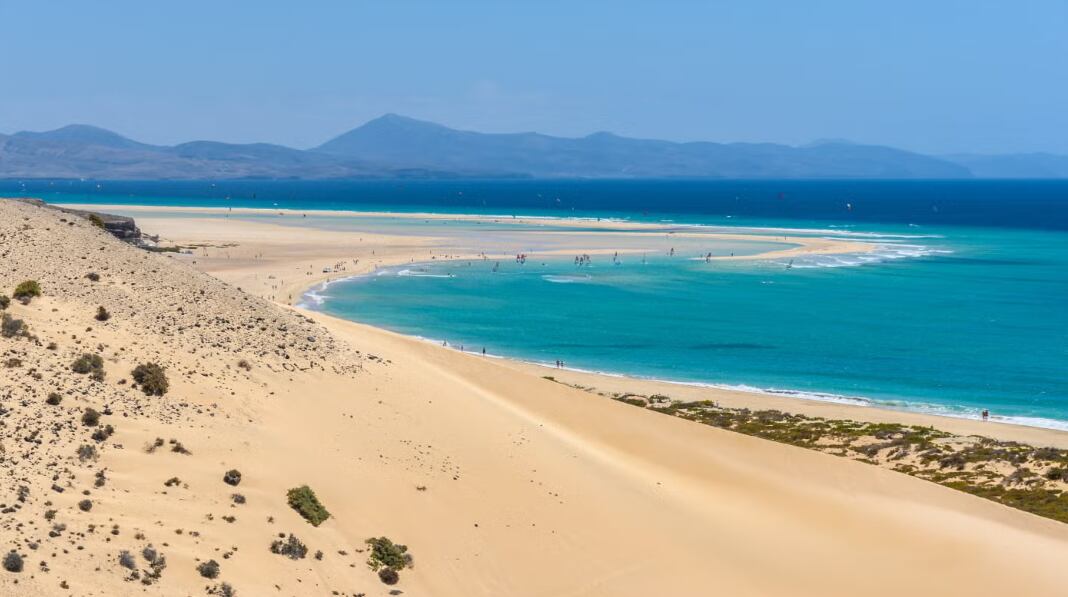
(530, 487)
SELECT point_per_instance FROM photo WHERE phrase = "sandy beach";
(499, 481)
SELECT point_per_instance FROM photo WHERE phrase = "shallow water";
(952, 321)
(964, 306)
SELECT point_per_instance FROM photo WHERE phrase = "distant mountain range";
(398, 147)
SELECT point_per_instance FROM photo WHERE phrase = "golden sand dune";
(499, 482)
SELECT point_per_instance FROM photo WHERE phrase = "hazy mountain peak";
(830, 141)
(82, 134)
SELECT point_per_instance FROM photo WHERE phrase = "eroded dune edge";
(499, 482)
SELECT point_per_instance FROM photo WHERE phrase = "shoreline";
(741, 395)
(409, 255)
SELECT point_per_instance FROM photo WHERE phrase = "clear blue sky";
(932, 76)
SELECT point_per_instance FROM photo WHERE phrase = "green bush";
(90, 417)
(54, 398)
(152, 379)
(5, 301)
(13, 561)
(102, 314)
(209, 569)
(291, 548)
(385, 553)
(27, 290)
(87, 363)
(303, 500)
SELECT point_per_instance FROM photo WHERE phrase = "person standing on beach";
(986, 414)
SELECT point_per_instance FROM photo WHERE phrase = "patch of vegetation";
(87, 452)
(209, 569)
(88, 363)
(54, 398)
(631, 400)
(96, 220)
(388, 576)
(156, 562)
(93, 276)
(5, 301)
(13, 562)
(303, 500)
(243, 364)
(223, 590)
(103, 433)
(387, 554)
(11, 327)
(90, 417)
(1018, 475)
(26, 291)
(102, 314)
(232, 477)
(152, 379)
(290, 547)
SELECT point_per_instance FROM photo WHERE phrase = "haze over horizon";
(980, 77)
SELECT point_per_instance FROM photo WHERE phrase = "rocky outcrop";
(121, 227)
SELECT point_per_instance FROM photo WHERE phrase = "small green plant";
(102, 314)
(387, 554)
(27, 290)
(290, 547)
(13, 561)
(89, 363)
(303, 500)
(93, 276)
(90, 418)
(209, 569)
(86, 363)
(152, 378)
(54, 398)
(96, 220)
(5, 301)
(86, 452)
(103, 433)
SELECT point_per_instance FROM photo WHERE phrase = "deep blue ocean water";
(965, 306)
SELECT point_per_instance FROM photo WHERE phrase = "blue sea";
(964, 306)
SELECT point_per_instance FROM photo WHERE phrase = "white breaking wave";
(881, 253)
(562, 279)
(415, 273)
